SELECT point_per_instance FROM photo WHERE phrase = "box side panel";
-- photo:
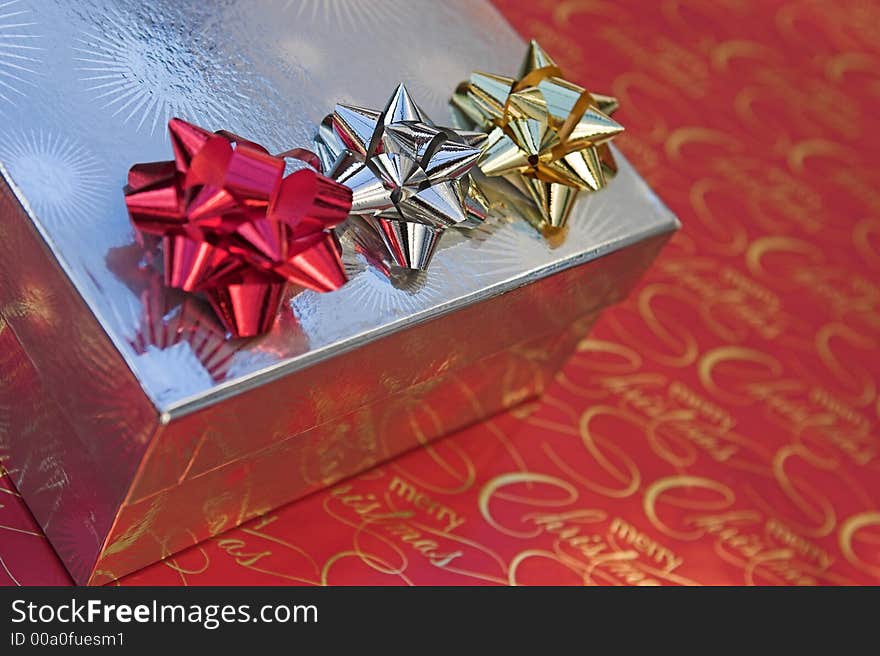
(291, 405)
(79, 421)
(279, 442)
(160, 525)
(39, 452)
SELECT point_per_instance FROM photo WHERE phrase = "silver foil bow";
(408, 176)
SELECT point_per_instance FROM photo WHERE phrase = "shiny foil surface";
(721, 425)
(126, 68)
(149, 432)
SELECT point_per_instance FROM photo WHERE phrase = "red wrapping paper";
(720, 426)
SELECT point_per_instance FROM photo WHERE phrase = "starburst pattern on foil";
(39, 470)
(5, 434)
(348, 14)
(599, 220)
(74, 539)
(430, 76)
(18, 50)
(5, 427)
(7, 362)
(379, 299)
(514, 246)
(161, 364)
(62, 180)
(146, 74)
(409, 292)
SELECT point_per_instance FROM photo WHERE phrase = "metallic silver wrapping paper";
(131, 428)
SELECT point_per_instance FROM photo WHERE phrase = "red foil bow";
(235, 228)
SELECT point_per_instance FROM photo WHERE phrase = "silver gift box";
(131, 427)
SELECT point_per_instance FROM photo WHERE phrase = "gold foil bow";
(547, 136)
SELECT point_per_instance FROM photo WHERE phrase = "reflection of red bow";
(235, 228)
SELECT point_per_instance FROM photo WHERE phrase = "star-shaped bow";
(408, 176)
(235, 227)
(547, 136)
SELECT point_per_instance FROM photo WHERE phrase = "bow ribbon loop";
(235, 227)
(547, 136)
